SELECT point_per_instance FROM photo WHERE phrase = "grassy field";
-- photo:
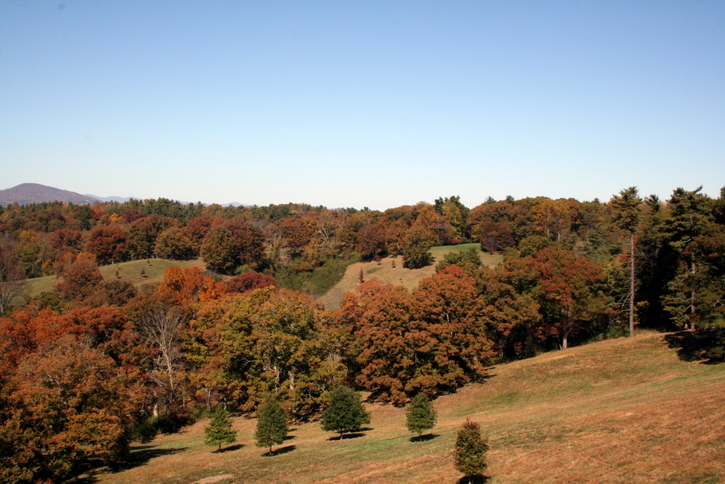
(618, 411)
(391, 270)
(127, 271)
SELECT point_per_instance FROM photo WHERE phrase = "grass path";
(618, 411)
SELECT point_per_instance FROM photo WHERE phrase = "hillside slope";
(391, 270)
(618, 411)
(153, 272)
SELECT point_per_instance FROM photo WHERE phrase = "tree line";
(94, 364)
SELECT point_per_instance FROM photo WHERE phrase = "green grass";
(618, 411)
(320, 280)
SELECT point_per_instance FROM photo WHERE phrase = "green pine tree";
(271, 423)
(219, 431)
(420, 414)
(345, 412)
(471, 450)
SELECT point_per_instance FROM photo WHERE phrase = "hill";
(26, 193)
(617, 411)
(127, 271)
(391, 270)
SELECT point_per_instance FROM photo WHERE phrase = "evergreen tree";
(627, 217)
(271, 423)
(471, 450)
(345, 412)
(420, 414)
(219, 431)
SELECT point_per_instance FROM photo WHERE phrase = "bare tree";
(162, 328)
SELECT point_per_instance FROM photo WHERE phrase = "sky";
(362, 103)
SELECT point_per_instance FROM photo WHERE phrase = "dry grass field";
(391, 270)
(617, 411)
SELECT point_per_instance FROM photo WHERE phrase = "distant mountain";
(26, 193)
(110, 199)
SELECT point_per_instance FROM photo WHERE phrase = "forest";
(96, 364)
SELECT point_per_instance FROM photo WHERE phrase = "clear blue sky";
(365, 103)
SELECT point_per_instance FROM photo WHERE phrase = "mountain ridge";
(27, 193)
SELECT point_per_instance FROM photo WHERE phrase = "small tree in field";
(471, 450)
(219, 431)
(420, 414)
(345, 412)
(271, 423)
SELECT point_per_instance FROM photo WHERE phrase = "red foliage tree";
(249, 281)
(108, 244)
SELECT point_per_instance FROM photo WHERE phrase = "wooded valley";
(96, 363)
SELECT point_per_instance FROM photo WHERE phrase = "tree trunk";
(631, 284)
(693, 270)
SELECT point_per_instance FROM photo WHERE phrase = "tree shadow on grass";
(289, 437)
(350, 435)
(705, 345)
(142, 454)
(478, 479)
(229, 449)
(280, 451)
(424, 437)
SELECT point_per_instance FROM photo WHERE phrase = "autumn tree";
(499, 225)
(345, 412)
(509, 308)
(554, 218)
(196, 230)
(377, 316)
(271, 423)
(420, 414)
(436, 225)
(469, 260)
(455, 213)
(249, 281)
(219, 431)
(144, 232)
(395, 236)
(80, 279)
(470, 452)
(248, 242)
(173, 244)
(298, 232)
(66, 240)
(433, 340)
(371, 241)
(34, 253)
(571, 295)
(447, 333)
(108, 244)
(281, 341)
(66, 403)
(232, 244)
(12, 279)
(416, 246)
(218, 250)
